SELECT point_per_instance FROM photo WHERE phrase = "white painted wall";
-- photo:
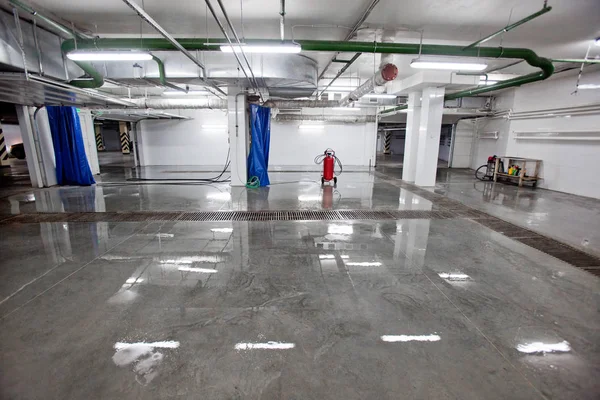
(483, 148)
(12, 135)
(567, 165)
(463, 144)
(89, 140)
(185, 142)
(354, 144)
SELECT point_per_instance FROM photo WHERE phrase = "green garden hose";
(253, 183)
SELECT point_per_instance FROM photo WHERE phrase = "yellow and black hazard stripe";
(99, 139)
(124, 134)
(3, 149)
(387, 147)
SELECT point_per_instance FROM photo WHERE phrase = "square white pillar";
(432, 109)
(238, 135)
(411, 143)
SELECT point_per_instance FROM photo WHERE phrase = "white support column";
(31, 155)
(238, 135)
(432, 110)
(88, 134)
(411, 143)
(42, 132)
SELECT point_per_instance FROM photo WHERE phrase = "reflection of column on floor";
(429, 136)
(99, 138)
(411, 143)
(387, 147)
(412, 234)
(3, 149)
(124, 137)
(55, 236)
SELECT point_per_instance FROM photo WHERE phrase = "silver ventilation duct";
(346, 119)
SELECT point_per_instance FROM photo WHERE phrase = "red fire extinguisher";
(329, 159)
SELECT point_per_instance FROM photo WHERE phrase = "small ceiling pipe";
(96, 80)
(340, 72)
(353, 31)
(578, 60)
(507, 28)
(282, 21)
(68, 32)
(235, 35)
(385, 74)
(162, 75)
(146, 17)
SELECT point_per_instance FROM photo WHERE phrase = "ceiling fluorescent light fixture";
(589, 86)
(379, 96)
(447, 65)
(262, 48)
(487, 83)
(100, 55)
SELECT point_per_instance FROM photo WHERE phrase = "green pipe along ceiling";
(546, 68)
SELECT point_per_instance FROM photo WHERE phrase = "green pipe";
(97, 79)
(511, 26)
(162, 75)
(577, 60)
(156, 44)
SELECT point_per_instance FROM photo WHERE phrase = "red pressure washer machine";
(329, 159)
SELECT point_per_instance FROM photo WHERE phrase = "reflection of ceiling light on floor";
(330, 256)
(219, 196)
(202, 270)
(410, 338)
(170, 344)
(265, 346)
(222, 230)
(164, 235)
(134, 280)
(454, 276)
(364, 264)
(308, 197)
(191, 260)
(539, 347)
(340, 229)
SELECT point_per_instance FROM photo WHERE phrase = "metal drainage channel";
(225, 216)
(448, 209)
(547, 245)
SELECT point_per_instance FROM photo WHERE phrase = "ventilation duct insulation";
(385, 74)
(285, 75)
(346, 119)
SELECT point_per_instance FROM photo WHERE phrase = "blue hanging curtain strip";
(260, 130)
(72, 167)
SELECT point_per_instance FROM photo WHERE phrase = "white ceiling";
(565, 32)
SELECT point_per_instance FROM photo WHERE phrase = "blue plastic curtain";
(72, 167)
(260, 130)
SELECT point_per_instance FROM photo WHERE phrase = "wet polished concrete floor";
(406, 309)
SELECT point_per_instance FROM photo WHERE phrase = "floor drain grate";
(227, 216)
